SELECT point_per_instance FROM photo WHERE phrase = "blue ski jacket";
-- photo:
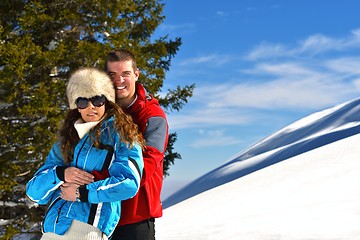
(103, 206)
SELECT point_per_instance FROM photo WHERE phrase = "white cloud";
(312, 45)
(214, 59)
(266, 50)
(222, 14)
(317, 43)
(197, 60)
(286, 86)
(213, 138)
(346, 65)
(282, 69)
(179, 29)
(207, 116)
(357, 83)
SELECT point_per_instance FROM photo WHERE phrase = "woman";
(96, 136)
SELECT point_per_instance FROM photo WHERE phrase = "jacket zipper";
(78, 154)
(58, 215)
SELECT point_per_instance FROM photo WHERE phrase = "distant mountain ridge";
(308, 133)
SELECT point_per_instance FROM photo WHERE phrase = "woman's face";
(92, 109)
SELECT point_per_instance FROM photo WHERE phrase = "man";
(138, 214)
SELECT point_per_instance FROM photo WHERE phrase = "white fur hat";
(89, 82)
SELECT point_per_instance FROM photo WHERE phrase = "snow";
(299, 183)
(4, 222)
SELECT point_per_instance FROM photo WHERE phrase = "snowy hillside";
(312, 191)
(311, 132)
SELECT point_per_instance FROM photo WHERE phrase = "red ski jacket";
(151, 120)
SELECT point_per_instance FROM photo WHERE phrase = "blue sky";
(258, 66)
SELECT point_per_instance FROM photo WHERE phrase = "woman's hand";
(77, 176)
(69, 191)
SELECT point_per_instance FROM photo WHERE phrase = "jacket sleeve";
(156, 137)
(45, 181)
(125, 174)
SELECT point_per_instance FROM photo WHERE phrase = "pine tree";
(42, 42)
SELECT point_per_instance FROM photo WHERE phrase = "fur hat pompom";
(87, 83)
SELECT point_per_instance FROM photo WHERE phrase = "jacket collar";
(83, 128)
(142, 97)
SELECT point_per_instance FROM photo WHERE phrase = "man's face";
(123, 77)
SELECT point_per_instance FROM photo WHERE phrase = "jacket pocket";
(52, 215)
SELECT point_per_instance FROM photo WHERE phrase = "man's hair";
(120, 55)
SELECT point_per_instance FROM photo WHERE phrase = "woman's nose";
(90, 105)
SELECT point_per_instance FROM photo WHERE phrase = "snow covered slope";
(309, 133)
(301, 182)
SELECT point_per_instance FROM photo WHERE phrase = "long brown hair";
(124, 126)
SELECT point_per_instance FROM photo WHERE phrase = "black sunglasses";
(97, 101)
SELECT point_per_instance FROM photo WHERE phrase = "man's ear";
(137, 74)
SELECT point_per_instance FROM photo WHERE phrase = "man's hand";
(77, 176)
(69, 191)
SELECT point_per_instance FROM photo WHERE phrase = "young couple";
(102, 179)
